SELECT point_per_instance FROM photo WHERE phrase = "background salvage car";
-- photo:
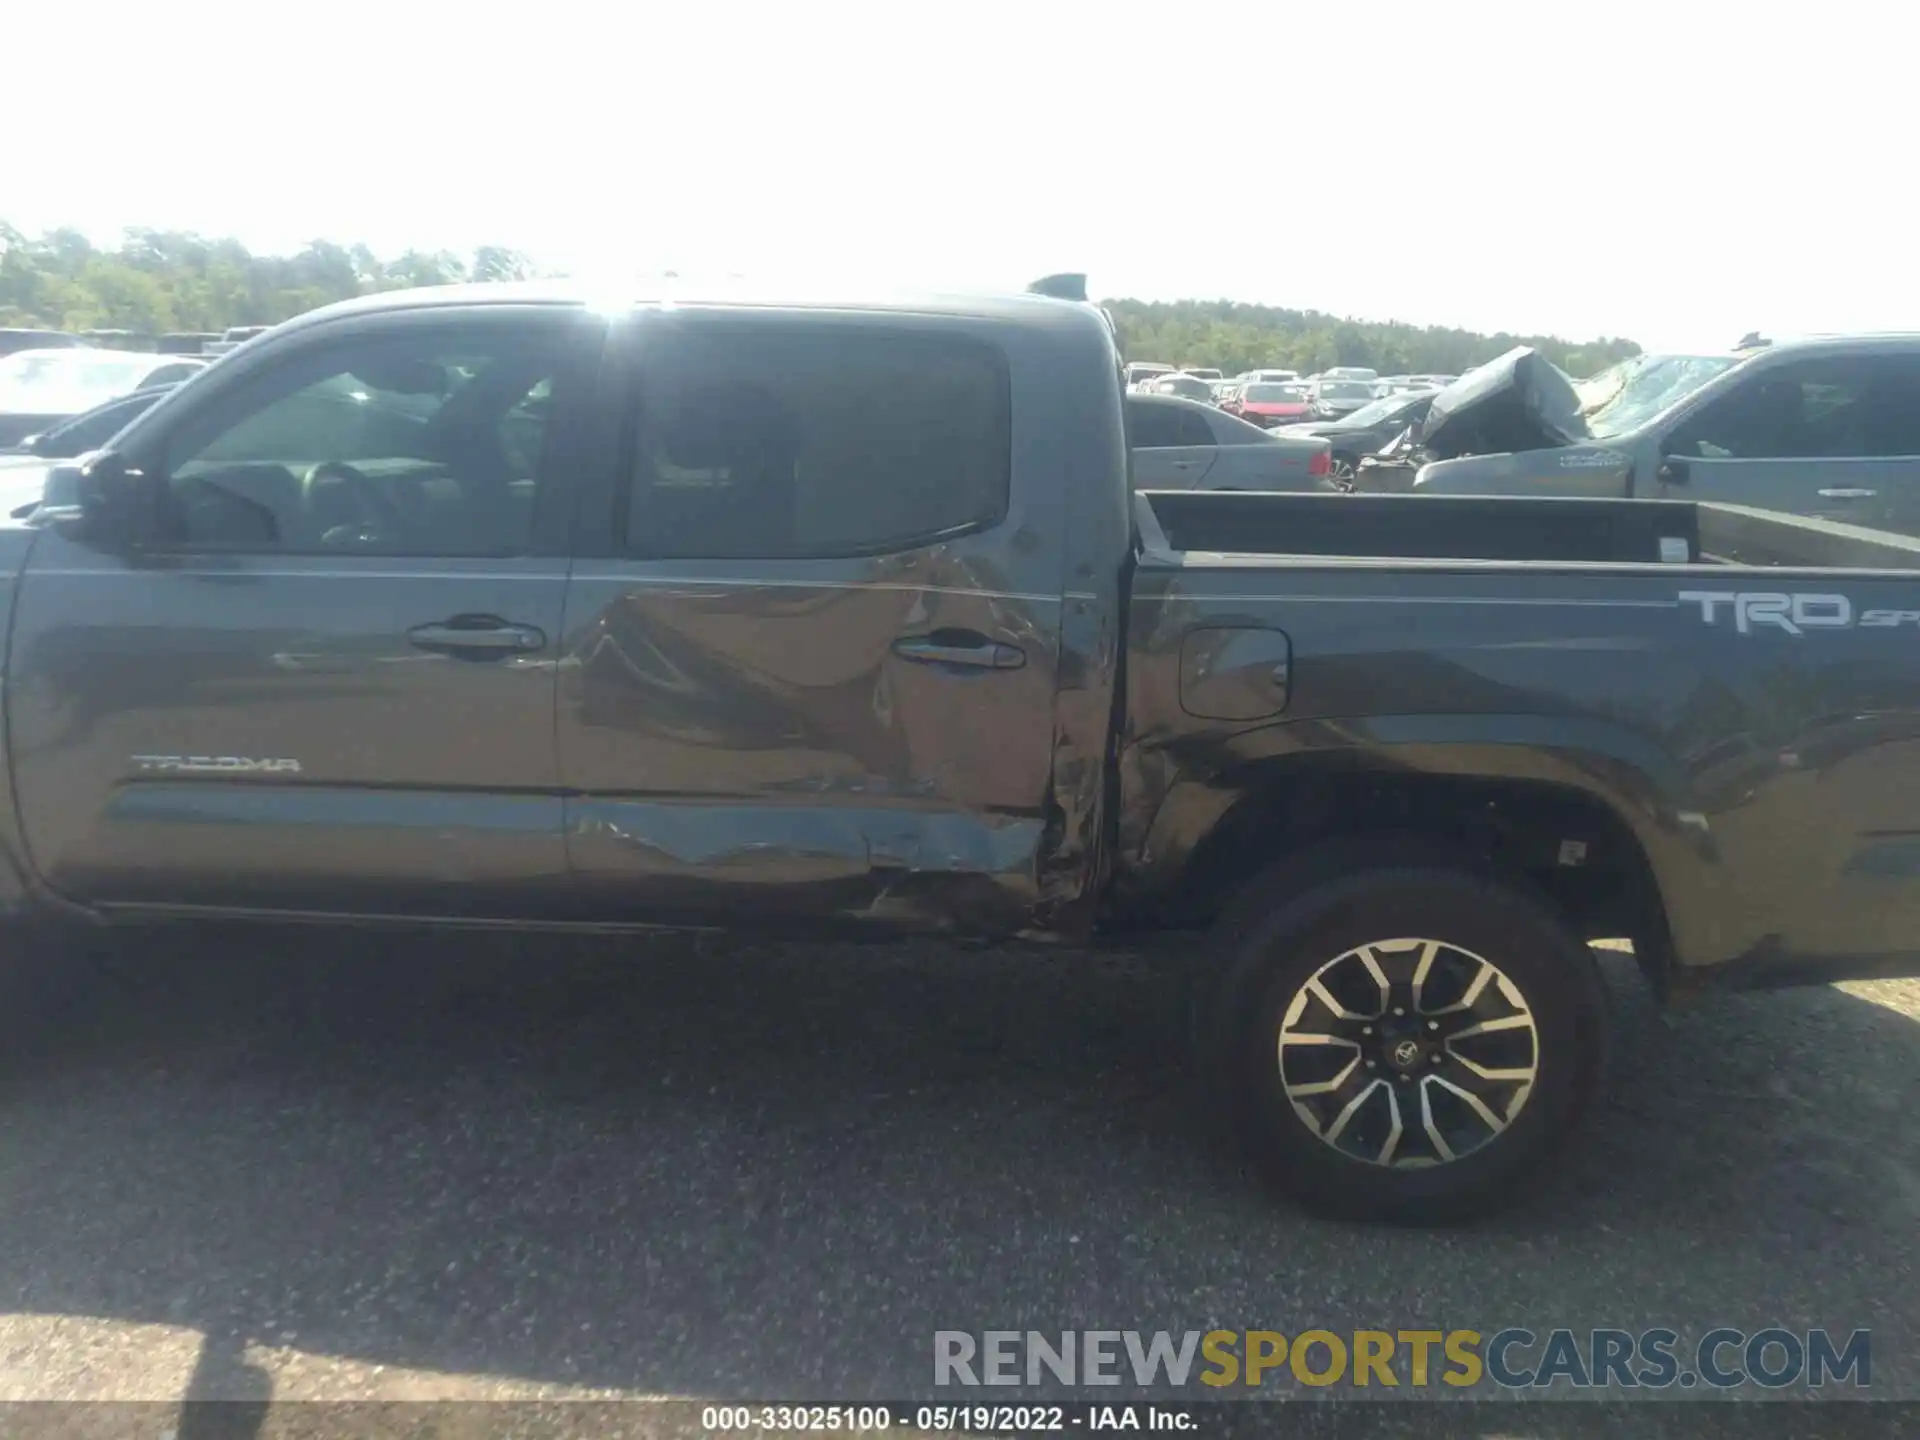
(1826, 427)
(41, 388)
(1181, 445)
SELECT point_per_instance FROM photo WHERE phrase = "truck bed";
(1422, 527)
(1749, 708)
(1525, 530)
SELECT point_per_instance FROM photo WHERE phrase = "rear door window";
(1165, 427)
(1194, 429)
(814, 441)
(1153, 427)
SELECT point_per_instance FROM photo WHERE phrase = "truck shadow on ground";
(774, 1172)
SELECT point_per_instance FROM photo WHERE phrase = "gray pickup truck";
(1825, 426)
(489, 607)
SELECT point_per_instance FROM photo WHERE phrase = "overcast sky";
(1679, 173)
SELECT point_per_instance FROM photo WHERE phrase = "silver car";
(1825, 427)
(1182, 444)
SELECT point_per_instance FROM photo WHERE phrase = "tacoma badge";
(214, 765)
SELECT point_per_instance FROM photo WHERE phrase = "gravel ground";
(306, 1168)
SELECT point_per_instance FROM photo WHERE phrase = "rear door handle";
(963, 649)
(477, 634)
(1848, 492)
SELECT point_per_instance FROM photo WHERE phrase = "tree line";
(1232, 338)
(156, 281)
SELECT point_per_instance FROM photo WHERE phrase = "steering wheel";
(378, 520)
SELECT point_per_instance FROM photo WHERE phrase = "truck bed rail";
(1523, 530)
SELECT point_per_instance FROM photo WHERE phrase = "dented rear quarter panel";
(1771, 779)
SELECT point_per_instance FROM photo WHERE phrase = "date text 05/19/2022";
(965, 1419)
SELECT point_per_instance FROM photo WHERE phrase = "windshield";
(1624, 397)
(55, 380)
(1272, 394)
(1345, 390)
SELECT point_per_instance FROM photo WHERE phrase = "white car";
(40, 388)
(1141, 373)
(1189, 387)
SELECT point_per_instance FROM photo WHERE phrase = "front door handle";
(477, 634)
(964, 648)
(1848, 492)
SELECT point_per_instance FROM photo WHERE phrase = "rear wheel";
(1341, 470)
(1407, 1043)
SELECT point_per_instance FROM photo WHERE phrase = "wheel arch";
(1591, 842)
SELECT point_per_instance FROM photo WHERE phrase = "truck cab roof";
(1024, 308)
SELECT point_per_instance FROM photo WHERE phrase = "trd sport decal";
(1795, 614)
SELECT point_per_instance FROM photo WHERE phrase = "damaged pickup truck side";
(483, 606)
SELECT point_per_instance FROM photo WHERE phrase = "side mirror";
(1673, 471)
(98, 495)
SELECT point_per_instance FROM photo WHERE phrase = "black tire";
(1292, 924)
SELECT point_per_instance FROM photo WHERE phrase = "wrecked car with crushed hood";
(1521, 425)
(1513, 405)
(501, 606)
(1826, 427)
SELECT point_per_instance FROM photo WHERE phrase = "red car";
(1268, 405)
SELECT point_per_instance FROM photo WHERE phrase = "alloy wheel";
(1408, 1052)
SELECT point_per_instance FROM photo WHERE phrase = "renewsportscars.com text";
(1516, 1359)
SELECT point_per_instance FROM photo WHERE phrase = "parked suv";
(1826, 427)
